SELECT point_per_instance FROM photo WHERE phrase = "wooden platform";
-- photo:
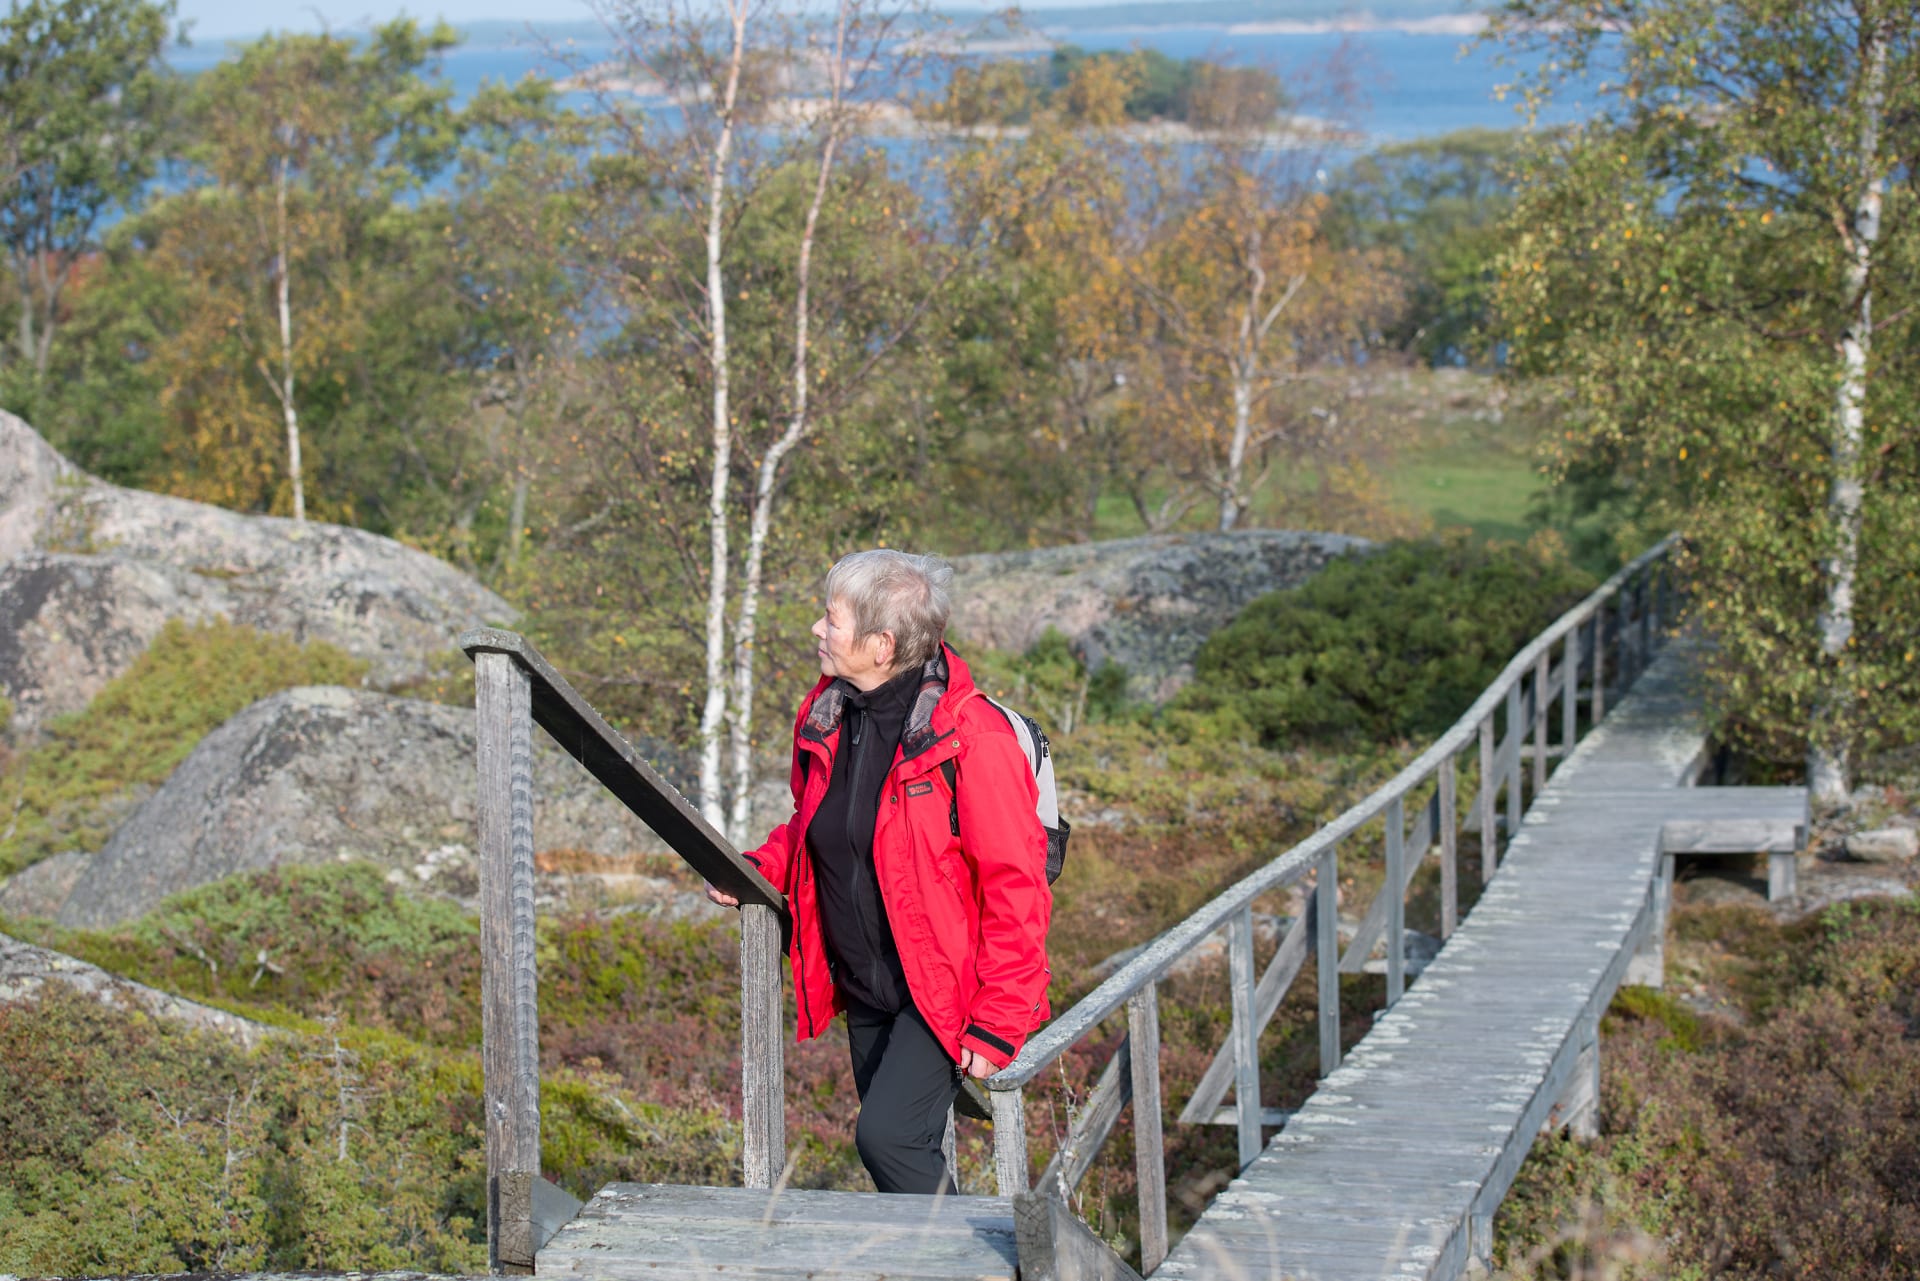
(1393, 1168)
(660, 1231)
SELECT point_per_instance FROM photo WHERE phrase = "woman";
(929, 932)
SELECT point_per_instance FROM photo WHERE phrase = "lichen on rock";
(1145, 603)
(89, 572)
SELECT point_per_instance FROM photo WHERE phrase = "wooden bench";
(1759, 820)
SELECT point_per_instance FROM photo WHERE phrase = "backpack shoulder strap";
(952, 771)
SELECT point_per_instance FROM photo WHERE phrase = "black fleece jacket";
(860, 946)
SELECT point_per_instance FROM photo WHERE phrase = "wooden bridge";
(1581, 756)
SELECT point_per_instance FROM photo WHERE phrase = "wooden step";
(658, 1230)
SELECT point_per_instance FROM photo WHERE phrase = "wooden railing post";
(1149, 1144)
(1569, 693)
(763, 1104)
(1010, 1141)
(1326, 906)
(1489, 833)
(1397, 903)
(1624, 640)
(1597, 686)
(1641, 603)
(1516, 735)
(1449, 850)
(510, 1048)
(1542, 720)
(1246, 1033)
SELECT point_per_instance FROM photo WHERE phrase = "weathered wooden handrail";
(514, 689)
(559, 709)
(1521, 698)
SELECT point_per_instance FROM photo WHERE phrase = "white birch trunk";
(747, 623)
(1255, 327)
(713, 713)
(282, 286)
(1232, 501)
(1827, 763)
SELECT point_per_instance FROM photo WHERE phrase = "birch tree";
(84, 102)
(302, 145)
(1251, 293)
(1057, 303)
(769, 102)
(1721, 272)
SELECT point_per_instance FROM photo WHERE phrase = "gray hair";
(898, 592)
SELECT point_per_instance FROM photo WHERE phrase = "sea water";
(1401, 85)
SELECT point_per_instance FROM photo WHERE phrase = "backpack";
(1033, 741)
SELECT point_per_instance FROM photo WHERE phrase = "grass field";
(1468, 465)
(1447, 451)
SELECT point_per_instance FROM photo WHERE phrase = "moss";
(1654, 1006)
(60, 793)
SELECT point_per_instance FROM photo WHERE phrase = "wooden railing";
(1608, 637)
(515, 689)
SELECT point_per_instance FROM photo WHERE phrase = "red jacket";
(969, 912)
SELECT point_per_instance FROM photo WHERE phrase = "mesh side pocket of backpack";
(1033, 741)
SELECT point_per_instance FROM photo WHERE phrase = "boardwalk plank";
(1423, 1126)
(653, 1230)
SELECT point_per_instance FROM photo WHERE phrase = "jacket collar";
(927, 720)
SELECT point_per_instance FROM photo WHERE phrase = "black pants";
(906, 1084)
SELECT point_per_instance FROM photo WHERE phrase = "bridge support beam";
(1648, 967)
(1579, 1106)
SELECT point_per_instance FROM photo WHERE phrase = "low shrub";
(1379, 647)
(128, 1145)
(1786, 1143)
(1051, 683)
(59, 792)
(334, 939)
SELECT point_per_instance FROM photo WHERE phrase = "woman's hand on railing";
(976, 1065)
(724, 900)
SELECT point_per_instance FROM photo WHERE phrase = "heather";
(1776, 1134)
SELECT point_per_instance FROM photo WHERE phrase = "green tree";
(521, 196)
(85, 103)
(1440, 204)
(764, 282)
(1045, 333)
(285, 245)
(1720, 271)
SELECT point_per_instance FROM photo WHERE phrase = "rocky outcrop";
(25, 970)
(92, 571)
(1144, 603)
(320, 773)
(41, 889)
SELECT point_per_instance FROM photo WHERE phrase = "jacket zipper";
(869, 928)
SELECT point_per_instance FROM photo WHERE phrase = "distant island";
(985, 34)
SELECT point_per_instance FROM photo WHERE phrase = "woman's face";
(863, 664)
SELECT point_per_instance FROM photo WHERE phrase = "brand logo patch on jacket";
(922, 788)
